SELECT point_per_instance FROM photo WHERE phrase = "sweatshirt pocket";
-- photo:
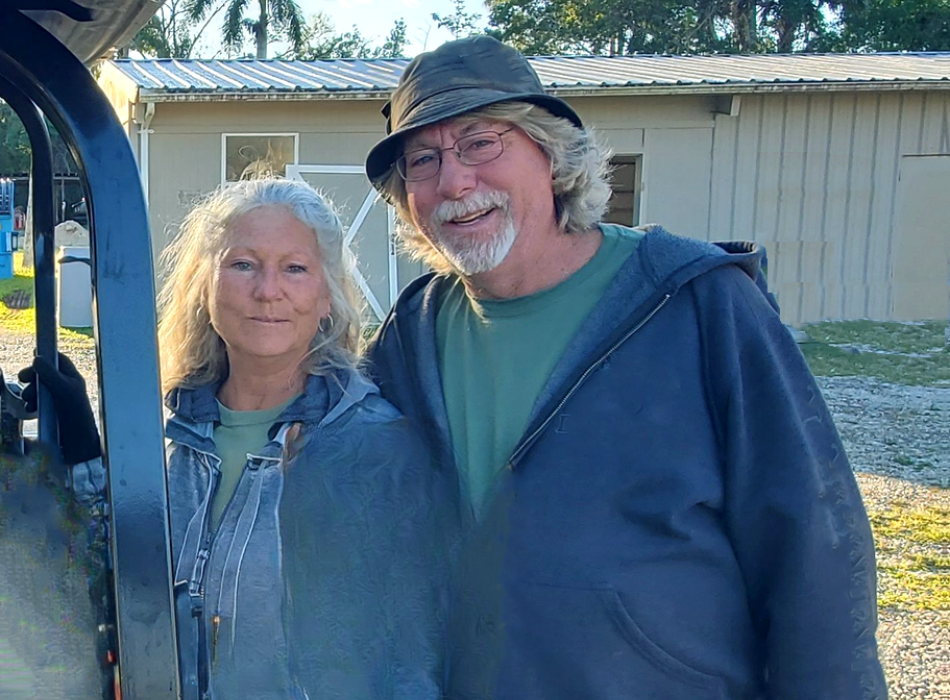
(661, 660)
(569, 643)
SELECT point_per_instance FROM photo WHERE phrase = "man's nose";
(455, 178)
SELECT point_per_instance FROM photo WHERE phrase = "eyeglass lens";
(473, 149)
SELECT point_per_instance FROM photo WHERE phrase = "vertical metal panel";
(682, 208)
(744, 158)
(722, 178)
(768, 185)
(945, 126)
(897, 140)
(880, 232)
(183, 167)
(813, 113)
(845, 235)
(923, 237)
(814, 177)
(931, 127)
(835, 209)
(791, 195)
(818, 267)
(712, 180)
(860, 173)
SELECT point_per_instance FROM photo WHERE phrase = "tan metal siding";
(185, 149)
(675, 183)
(814, 178)
(922, 237)
(182, 167)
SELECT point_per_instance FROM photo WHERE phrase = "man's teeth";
(471, 217)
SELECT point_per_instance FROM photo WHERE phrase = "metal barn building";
(838, 164)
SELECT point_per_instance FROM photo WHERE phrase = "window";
(624, 205)
(252, 155)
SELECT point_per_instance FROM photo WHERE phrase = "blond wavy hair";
(580, 175)
(192, 353)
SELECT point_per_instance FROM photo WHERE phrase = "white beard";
(474, 256)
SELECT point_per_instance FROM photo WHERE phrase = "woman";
(303, 508)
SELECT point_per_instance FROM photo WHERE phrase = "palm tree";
(275, 18)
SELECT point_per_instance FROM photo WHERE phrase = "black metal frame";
(44, 284)
(37, 70)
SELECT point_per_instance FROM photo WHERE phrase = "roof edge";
(152, 95)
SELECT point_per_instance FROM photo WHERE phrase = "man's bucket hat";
(458, 77)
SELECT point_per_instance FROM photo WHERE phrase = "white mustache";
(479, 201)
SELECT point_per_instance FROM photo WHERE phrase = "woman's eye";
(241, 265)
(296, 268)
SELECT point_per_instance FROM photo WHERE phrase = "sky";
(375, 19)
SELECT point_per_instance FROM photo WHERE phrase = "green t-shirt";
(495, 357)
(239, 434)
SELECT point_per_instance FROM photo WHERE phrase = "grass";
(913, 551)
(901, 353)
(23, 321)
(912, 540)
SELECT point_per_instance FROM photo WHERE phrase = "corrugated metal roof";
(160, 79)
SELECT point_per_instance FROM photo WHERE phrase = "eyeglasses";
(473, 149)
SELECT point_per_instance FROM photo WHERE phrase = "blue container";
(6, 266)
(6, 209)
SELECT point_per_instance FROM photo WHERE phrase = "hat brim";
(382, 157)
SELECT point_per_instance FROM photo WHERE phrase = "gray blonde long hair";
(580, 171)
(192, 353)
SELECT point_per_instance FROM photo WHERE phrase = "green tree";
(274, 19)
(395, 44)
(605, 26)
(168, 34)
(460, 22)
(803, 25)
(895, 25)
(533, 26)
(14, 143)
(665, 26)
(321, 41)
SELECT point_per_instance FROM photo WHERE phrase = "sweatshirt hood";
(325, 399)
(661, 264)
(663, 260)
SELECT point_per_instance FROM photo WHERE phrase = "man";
(655, 501)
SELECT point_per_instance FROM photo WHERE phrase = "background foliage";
(605, 27)
(708, 26)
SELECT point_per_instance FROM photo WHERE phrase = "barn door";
(370, 226)
(921, 239)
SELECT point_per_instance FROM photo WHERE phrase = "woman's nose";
(268, 284)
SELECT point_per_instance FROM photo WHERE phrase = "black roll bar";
(50, 76)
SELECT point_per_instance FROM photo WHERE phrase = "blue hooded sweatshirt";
(323, 580)
(679, 520)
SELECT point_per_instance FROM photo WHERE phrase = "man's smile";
(470, 218)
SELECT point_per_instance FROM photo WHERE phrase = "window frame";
(265, 134)
(635, 160)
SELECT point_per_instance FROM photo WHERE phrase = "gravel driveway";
(898, 440)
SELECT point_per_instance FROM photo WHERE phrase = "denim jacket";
(323, 579)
